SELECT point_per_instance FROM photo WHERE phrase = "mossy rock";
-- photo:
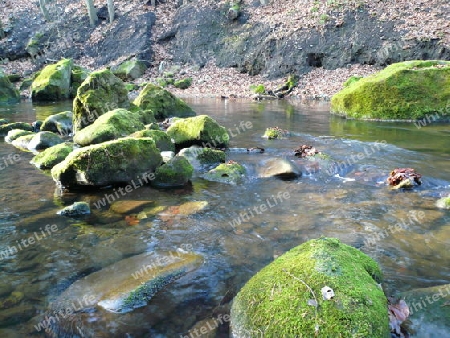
(175, 173)
(111, 125)
(162, 140)
(3, 121)
(199, 130)
(405, 90)
(279, 301)
(163, 103)
(183, 83)
(44, 140)
(130, 70)
(8, 92)
(50, 157)
(100, 93)
(22, 142)
(274, 133)
(6, 128)
(16, 133)
(60, 123)
(75, 210)
(112, 162)
(203, 158)
(231, 173)
(26, 83)
(79, 74)
(53, 82)
(443, 203)
(147, 116)
(429, 311)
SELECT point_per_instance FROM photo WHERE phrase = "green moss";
(231, 173)
(352, 79)
(117, 161)
(53, 82)
(199, 130)
(162, 103)
(79, 74)
(5, 128)
(162, 140)
(209, 156)
(443, 203)
(16, 133)
(111, 125)
(101, 92)
(275, 302)
(405, 90)
(130, 70)
(273, 133)
(258, 89)
(177, 172)
(52, 156)
(8, 92)
(23, 141)
(183, 83)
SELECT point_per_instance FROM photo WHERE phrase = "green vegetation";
(405, 90)
(52, 156)
(258, 89)
(285, 298)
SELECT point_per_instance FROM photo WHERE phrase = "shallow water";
(356, 207)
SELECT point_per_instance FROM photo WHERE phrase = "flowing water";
(235, 234)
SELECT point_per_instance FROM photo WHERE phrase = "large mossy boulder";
(100, 93)
(200, 130)
(111, 125)
(129, 70)
(50, 157)
(53, 82)
(162, 140)
(405, 90)
(60, 123)
(79, 74)
(175, 173)
(163, 103)
(8, 92)
(113, 162)
(293, 296)
(429, 311)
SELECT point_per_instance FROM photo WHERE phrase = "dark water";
(356, 207)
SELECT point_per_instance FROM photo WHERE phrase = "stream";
(353, 204)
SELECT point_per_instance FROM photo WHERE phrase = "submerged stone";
(404, 90)
(279, 167)
(443, 203)
(287, 293)
(75, 210)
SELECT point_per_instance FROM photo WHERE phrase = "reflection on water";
(357, 207)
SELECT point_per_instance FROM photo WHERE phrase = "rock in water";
(53, 82)
(284, 299)
(119, 288)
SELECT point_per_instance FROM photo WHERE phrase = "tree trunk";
(92, 12)
(111, 10)
(44, 10)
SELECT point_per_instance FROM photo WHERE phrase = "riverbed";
(352, 203)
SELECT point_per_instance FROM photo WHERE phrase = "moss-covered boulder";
(50, 157)
(8, 92)
(429, 311)
(16, 133)
(175, 173)
(22, 142)
(118, 161)
(111, 125)
(44, 140)
(202, 158)
(183, 83)
(79, 74)
(162, 140)
(6, 128)
(162, 103)
(100, 93)
(53, 82)
(129, 70)
(274, 133)
(405, 90)
(3, 121)
(231, 173)
(60, 123)
(293, 296)
(199, 130)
